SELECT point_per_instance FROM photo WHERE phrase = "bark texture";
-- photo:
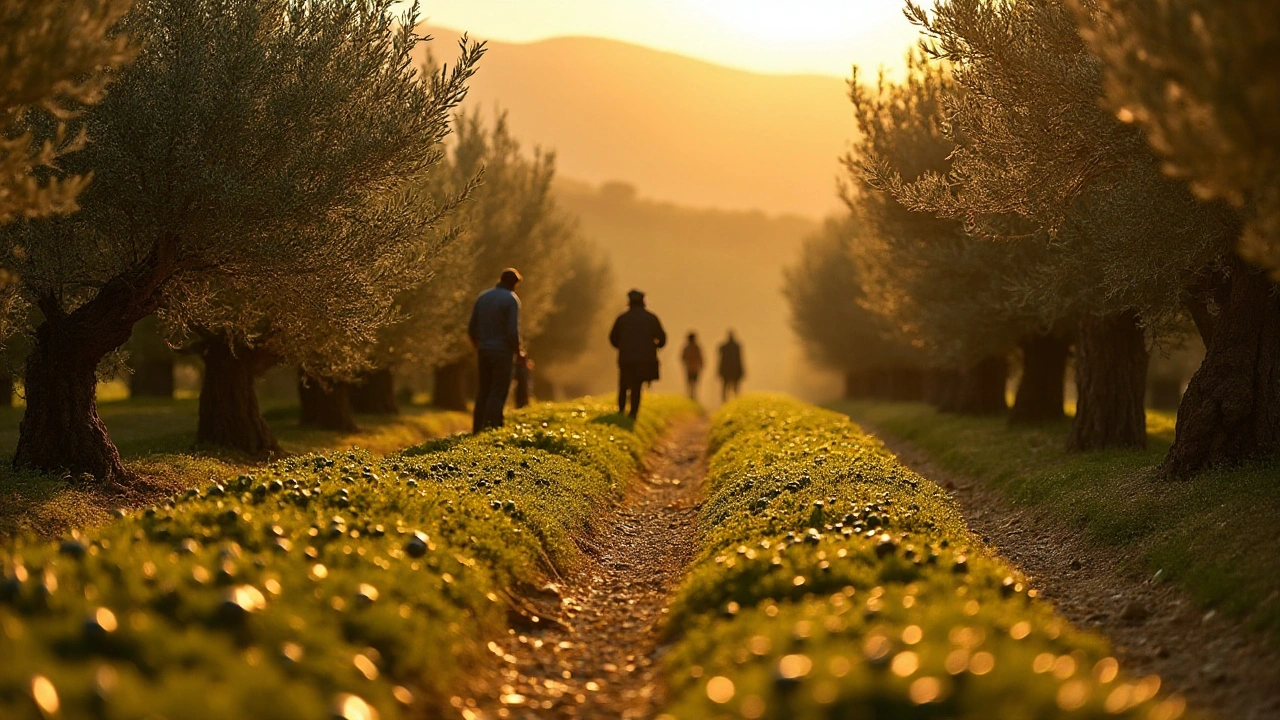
(450, 391)
(229, 412)
(1044, 373)
(152, 377)
(325, 405)
(375, 393)
(1111, 384)
(1231, 410)
(61, 430)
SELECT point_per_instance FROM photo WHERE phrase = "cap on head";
(692, 336)
(635, 296)
(510, 277)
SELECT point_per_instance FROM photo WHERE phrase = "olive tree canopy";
(254, 151)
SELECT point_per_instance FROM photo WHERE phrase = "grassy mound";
(321, 586)
(834, 583)
(1214, 534)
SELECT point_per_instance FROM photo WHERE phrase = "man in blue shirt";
(495, 333)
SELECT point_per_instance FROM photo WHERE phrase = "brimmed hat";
(635, 295)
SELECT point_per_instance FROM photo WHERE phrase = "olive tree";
(510, 220)
(234, 163)
(578, 314)
(1034, 145)
(824, 292)
(1202, 81)
(947, 289)
(53, 63)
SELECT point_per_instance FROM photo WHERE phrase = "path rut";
(598, 656)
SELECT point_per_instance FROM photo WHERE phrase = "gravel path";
(1156, 627)
(593, 653)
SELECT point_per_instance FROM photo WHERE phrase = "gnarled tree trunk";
(61, 430)
(229, 413)
(152, 377)
(325, 405)
(375, 393)
(1231, 410)
(982, 387)
(450, 391)
(1044, 373)
(1111, 383)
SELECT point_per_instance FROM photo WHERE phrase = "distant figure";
(693, 362)
(495, 332)
(637, 333)
(524, 376)
(731, 369)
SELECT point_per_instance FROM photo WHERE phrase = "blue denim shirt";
(495, 320)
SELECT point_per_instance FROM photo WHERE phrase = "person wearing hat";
(495, 333)
(637, 334)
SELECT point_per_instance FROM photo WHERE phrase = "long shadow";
(618, 420)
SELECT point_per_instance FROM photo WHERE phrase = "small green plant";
(833, 582)
(322, 586)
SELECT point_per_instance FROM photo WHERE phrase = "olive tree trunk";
(450, 389)
(229, 413)
(375, 393)
(152, 377)
(1042, 386)
(982, 387)
(61, 430)
(856, 384)
(1231, 410)
(325, 405)
(1111, 384)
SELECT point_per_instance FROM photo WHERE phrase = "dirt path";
(1155, 627)
(600, 660)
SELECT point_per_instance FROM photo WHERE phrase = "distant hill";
(703, 270)
(680, 129)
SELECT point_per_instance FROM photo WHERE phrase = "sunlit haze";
(772, 36)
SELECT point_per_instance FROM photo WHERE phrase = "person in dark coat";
(495, 333)
(637, 334)
(731, 367)
(693, 362)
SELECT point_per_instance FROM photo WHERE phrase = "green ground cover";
(327, 585)
(834, 583)
(1216, 535)
(156, 437)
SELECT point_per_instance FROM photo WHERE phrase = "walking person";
(693, 362)
(495, 333)
(731, 368)
(637, 334)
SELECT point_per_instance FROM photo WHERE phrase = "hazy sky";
(773, 36)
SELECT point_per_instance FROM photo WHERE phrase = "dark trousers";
(692, 384)
(730, 388)
(494, 383)
(629, 384)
